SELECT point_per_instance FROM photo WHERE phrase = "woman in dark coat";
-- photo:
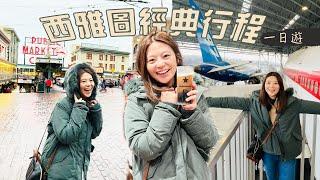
(270, 105)
(75, 120)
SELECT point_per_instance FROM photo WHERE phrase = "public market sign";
(41, 47)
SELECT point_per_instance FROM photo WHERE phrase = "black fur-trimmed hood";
(71, 81)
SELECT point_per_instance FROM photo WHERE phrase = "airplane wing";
(257, 74)
(221, 68)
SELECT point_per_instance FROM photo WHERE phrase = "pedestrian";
(103, 86)
(22, 89)
(75, 120)
(32, 89)
(168, 141)
(272, 105)
(48, 83)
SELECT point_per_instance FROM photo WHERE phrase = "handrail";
(219, 148)
(228, 156)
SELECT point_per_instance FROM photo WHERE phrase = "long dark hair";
(141, 58)
(282, 97)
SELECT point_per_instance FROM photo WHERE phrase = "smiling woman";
(168, 141)
(161, 63)
(86, 83)
(75, 120)
(274, 107)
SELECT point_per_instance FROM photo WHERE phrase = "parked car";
(110, 83)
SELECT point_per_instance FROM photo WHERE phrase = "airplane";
(212, 65)
(303, 72)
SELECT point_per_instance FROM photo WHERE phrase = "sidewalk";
(23, 117)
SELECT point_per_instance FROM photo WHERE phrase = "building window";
(106, 67)
(89, 55)
(73, 58)
(100, 65)
(122, 59)
(135, 49)
(112, 58)
(112, 67)
(133, 65)
(106, 57)
(100, 57)
(122, 67)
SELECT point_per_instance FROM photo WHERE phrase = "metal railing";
(228, 160)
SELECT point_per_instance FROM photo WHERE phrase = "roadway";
(23, 117)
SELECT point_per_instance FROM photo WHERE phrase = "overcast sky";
(23, 16)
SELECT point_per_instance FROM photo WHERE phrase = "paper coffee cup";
(184, 82)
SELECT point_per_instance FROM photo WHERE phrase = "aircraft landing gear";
(253, 80)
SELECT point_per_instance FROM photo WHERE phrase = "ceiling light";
(304, 8)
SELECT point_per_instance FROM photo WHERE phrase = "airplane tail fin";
(209, 50)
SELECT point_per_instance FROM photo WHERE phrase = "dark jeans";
(48, 89)
(278, 169)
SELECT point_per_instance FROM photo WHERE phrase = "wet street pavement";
(23, 118)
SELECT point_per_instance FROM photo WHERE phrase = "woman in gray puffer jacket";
(75, 120)
(168, 141)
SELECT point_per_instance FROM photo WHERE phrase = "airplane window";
(299, 79)
(308, 84)
(316, 87)
(311, 85)
(305, 82)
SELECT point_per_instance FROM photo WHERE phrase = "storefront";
(7, 69)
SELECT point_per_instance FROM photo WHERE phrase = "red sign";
(42, 47)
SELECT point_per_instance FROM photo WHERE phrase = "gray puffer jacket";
(175, 143)
(70, 130)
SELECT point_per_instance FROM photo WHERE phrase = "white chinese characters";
(121, 22)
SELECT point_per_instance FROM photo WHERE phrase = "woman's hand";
(192, 98)
(169, 96)
(92, 103)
